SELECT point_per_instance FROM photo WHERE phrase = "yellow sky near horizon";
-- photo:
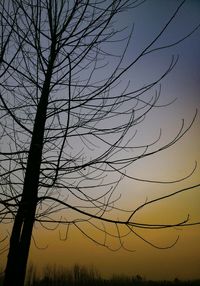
(181, 261)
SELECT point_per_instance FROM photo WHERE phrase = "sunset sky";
(183, 84)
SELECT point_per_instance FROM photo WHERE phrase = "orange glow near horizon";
(181, 261)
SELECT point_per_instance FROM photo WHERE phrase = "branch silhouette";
(69, 119)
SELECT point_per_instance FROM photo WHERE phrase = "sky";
(183, 84)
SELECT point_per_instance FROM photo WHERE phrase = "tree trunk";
(22, 229)
(19, 248)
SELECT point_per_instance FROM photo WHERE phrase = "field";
(79, 275)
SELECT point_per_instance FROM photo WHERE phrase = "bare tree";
(66, 126)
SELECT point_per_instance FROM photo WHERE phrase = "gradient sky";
(183, 83)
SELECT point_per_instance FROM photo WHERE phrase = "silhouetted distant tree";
(66, 126)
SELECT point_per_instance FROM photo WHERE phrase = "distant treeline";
(80, 275)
